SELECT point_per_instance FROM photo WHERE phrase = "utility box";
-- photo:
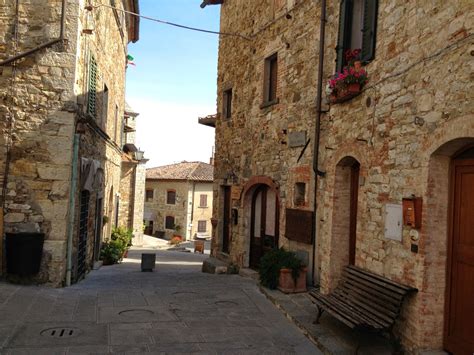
(148, 261)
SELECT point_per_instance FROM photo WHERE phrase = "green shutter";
(342, 38)
(369, 30)
(92, 88)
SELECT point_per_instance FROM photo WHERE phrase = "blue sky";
(174, 81)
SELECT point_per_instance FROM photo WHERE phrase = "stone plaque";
(393, 222)
(297, 139)
(235, 192)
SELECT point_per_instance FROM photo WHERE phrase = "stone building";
(405, 140)
(62, 88)
(179, 195)
(132, 182)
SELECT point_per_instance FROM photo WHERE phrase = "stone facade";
(44, 105)
(403, 130)
(187, 210)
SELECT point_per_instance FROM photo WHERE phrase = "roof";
(193, 171)
(129, 110)
(209, 120)
(211, 2)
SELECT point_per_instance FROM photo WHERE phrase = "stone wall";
(45, 94)
(411, 117)
(159, 209)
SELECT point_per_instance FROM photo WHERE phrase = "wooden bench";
(363, 300)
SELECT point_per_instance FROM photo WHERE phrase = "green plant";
(273, 261)
(105, 219)
(123, 235)
(177, 228)
(111, 252)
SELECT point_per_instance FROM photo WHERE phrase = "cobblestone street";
(119, 309)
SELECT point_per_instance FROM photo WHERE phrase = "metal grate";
(60, 333)
(92, 88)
(83, 226)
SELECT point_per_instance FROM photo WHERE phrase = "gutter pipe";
(317, 131)
(72, 203)
(44, 45)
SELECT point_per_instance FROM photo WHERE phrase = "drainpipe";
(318, 130)
(72, 203)
(44, 45)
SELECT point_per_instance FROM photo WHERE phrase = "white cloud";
(170, 132)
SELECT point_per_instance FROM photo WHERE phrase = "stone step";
(214, 266)
(247, 272)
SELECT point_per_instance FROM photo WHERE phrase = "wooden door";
(226, 230)
(353, 211)
(264, 224)
(459, 327)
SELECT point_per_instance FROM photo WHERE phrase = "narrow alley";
(119, 309)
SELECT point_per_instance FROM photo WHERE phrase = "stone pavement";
(119, 309)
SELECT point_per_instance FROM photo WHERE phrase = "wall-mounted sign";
(235, 192)
(393, 221)
(296, 139)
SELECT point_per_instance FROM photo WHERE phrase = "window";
(300, 192)
(92, 88)
(116, 122)
(203, 201)
(171, 197)
(202, 226)
(169, 222)
(149, 195)
(270, 80)
(227, 104)
(105, 104)
(357, 28)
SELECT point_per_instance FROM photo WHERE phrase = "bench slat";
(371, 312)
(334, 312)
(384, 286)
(406, 288)
(369, 299)
(391, 295)
(375, 294)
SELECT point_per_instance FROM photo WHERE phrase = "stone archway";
(261, 207)
(436, 241)
(344, 218)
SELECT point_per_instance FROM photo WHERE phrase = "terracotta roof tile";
(194, 171)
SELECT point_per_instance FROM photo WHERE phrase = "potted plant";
(177, 235)
(349, 82)
(282, 269)
(111, 252)
(124, 237)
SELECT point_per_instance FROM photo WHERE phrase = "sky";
(174, 81)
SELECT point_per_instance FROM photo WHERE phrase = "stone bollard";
(148, 261)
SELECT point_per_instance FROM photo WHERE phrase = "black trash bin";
(23, 253)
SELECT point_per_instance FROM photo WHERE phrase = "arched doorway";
(344, 226)
(459, 309)
(263, 223)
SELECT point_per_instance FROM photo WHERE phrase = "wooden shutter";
(369, 30)
(343, 38)
(203, 201)
(171, 197)
(273, 78)
(92, 87)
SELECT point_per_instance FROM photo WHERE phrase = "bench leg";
(320, 312)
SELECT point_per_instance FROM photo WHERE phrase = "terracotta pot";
(353, 88)
(286, 283)
(125, 253)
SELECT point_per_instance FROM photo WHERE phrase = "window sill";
(203, 206)
(269, 103)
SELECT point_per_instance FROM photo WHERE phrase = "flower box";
(287, 284)
(352, 90)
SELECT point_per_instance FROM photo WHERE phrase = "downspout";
(317, 131)
(72, 203)
(44, 45)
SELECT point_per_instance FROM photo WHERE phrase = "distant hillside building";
(178, 200)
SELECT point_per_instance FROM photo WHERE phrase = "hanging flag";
(130, 60)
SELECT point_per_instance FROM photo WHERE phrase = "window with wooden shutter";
(202, 226)
(149, 195)
(270, 80)
(357, 29)
(227, 104)
(203, 201)
(92, 88)
(171, 197)
(169, 222)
